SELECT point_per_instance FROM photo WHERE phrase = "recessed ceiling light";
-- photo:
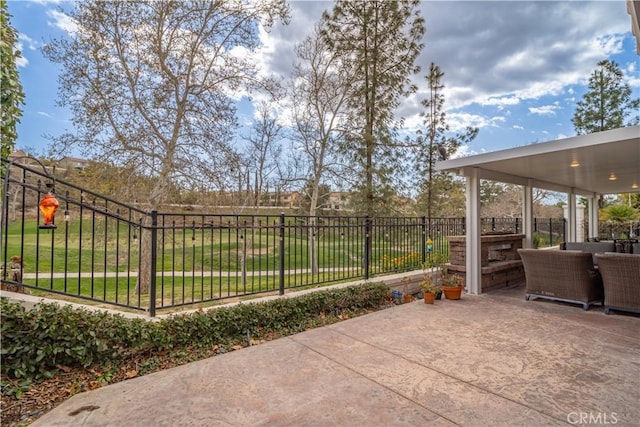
(612, 177)
(575, 164)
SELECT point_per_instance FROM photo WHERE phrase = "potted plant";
(433, 271)
(452, 286)
(430, 291)
(406, 296)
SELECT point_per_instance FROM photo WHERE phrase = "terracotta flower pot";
(428, 298)
(452, 292)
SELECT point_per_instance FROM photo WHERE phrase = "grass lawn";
(99, 258)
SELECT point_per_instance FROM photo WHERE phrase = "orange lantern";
(48, 206)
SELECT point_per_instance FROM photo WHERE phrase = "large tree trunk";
(312, 245)
(144, 268)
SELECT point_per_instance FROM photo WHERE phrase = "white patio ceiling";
(548, 164)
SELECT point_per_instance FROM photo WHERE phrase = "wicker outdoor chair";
(558, 275)
(621, 279)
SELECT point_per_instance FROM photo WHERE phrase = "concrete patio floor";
(489, 360)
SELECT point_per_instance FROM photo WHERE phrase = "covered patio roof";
(587, 165)
(584, 163)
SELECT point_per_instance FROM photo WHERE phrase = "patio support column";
(594, 222)
(527, 215)
(571, 196)
(473, 261)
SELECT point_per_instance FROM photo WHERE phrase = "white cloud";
(24, 39)
(609, 44)
(42, 113)
(500, 102)
(518, 127)
(22, 62)
(544, 110)
(634, 81)
(463, 151)
(62, 21)
(460, 121)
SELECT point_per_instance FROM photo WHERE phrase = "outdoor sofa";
(621, 279)
(591, 247)
(562, 275)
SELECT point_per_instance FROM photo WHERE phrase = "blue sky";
(513, 69)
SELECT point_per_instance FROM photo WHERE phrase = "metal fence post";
(154, 254)
(4, 219)
(423, 244)
(281, 255)
(367, 246)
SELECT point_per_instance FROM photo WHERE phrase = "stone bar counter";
(501, 265)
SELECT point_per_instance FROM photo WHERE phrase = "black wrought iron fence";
(610, 230)
(549, 232)
(501, 225)
(110, 252)
(91, 251)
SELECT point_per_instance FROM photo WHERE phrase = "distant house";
(338, 200)
(17, 154)
(283, 199)
(66, 163)
(74, 163)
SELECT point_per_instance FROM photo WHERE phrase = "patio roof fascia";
(518, 180)
(488, 165)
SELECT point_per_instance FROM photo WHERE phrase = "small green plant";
(453, 280)
(434, 267)
(435, 260)
(427, 286)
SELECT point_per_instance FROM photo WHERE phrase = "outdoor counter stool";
(562, 275)
(621, 279)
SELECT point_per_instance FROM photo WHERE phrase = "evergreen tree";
(436, 141)
(380, 40)
(607, 103)
(10, 87)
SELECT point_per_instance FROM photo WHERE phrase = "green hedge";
(36, 342)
